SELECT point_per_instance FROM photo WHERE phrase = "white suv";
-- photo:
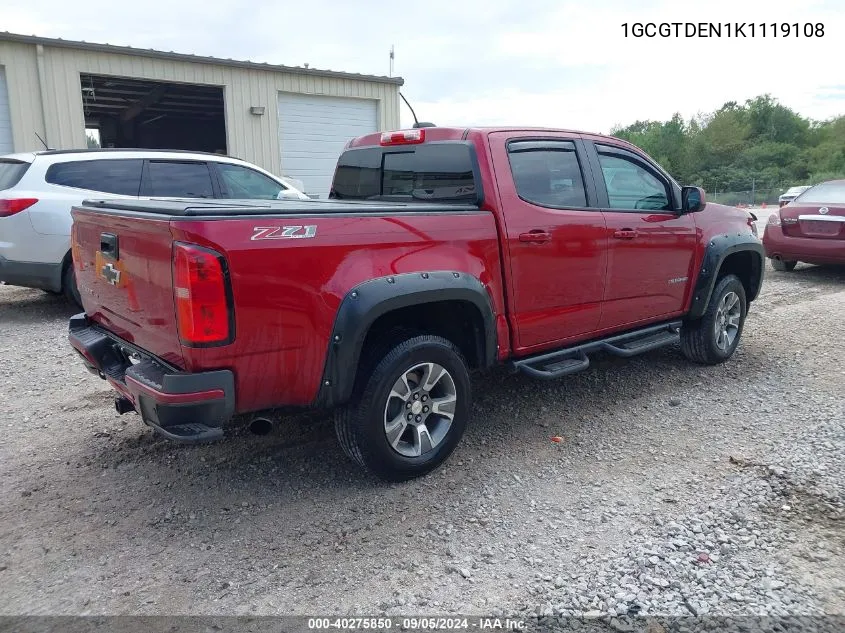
(37, 192)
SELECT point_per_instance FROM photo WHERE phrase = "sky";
(552, 63)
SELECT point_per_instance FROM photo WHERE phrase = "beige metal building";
(291, 121)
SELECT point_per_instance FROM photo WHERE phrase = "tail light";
(201, 288)
(15, 205)
(403, 137)
(75, 251)
(752, 223)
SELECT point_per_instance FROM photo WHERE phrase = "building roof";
(197, 59)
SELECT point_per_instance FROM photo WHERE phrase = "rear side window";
(172, 179)
(120, 176)
(824, 193)
(433, 172)
(11, 172)
(547, 173)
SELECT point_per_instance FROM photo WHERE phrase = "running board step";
(191, 433)
(564, 366)
(643, 344)
(550, 365)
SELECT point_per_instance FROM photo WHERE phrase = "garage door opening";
(313, 130)
(136, 113)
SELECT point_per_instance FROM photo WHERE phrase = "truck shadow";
(301, 464)
(291, 498)
(26, 305)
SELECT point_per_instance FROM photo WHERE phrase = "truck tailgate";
(124, 275)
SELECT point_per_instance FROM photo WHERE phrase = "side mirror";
(288, 194)
(692, 199)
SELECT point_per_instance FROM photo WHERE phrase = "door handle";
(108, 245)
(536, 236)
(625, 234)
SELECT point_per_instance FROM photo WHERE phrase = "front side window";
(173, 179)
(118, 176)
(245, 183)
(631, 186)
(547, 173)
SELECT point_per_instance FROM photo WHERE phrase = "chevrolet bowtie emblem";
(111, 274)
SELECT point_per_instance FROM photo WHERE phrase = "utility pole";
(391, 61)
(753, 192)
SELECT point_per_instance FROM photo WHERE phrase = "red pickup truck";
(439, 251)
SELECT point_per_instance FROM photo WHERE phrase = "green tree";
(760, 144)
(770, 121)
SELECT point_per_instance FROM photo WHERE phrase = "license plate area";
(821, 228)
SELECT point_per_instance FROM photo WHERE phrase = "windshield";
(11, 171)
(825, 193)
(435, 172)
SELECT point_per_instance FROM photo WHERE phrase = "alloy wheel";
(728, 316)
(420, 409)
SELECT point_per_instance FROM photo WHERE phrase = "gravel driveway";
(677, 490)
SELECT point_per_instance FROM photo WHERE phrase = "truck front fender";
(372, 299)
(721, 250)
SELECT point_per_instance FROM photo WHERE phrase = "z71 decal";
(284, 232)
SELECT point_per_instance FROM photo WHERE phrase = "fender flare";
(368, 301)
(717, 250)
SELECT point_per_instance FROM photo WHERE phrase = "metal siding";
(251, 137)
(24, 95)
(313, 129)
(7, 145)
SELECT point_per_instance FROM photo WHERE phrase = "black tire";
(69, 288)
(783, 265)
(360, 425)
(699, 337)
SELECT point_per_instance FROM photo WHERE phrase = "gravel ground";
(677, 490)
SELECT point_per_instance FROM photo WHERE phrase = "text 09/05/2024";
(723, 29)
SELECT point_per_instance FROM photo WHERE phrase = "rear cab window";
(11, 172)
(119, 176)
(431, 172)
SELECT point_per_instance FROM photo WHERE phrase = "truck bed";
(289, 265)
(231, 208)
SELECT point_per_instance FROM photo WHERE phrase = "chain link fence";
(758, 195)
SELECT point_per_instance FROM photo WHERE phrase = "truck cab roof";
(434, 134)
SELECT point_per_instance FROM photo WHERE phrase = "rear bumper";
(31, 274)
(186, 407)
(812, 250)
